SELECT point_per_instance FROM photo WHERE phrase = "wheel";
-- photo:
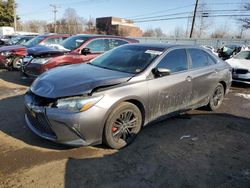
(17, 62)
(122, 125)
(217, 97)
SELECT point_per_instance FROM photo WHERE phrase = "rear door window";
(49, 41)
(96, 46)
(113, 43)
(175, 61)
(200, 58)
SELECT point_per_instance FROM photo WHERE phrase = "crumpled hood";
(12, 48)
(239, 63)
(41, 50)
(75, 80)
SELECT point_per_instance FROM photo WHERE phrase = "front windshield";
(128, 58)
(34, 41)
(74, 42)
(243, 55)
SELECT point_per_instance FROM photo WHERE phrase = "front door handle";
(189, 79)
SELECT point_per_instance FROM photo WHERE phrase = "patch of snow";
(244, 95)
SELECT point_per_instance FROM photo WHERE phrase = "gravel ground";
(200, 149)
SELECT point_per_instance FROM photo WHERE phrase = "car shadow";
(207, 150)
(240, 85)
(14, 77)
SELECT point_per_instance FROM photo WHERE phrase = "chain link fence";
(212, 42)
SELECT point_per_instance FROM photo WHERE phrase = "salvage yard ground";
(201, 149)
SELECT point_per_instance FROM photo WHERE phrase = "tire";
(216, 98)
(118, 133)
(16, 63)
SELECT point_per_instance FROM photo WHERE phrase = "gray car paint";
(155, 97)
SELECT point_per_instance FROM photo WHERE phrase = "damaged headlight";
(6, 54)
(40, 60)
(78, 104)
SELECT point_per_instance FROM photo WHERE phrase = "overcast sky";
(30, 9)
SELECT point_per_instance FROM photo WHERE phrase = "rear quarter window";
(200, 58)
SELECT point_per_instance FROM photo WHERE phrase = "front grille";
(241, 71)
(40, 123)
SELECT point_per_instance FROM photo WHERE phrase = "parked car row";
(11, 56)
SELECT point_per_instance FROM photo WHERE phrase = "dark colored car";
(75, 49)
(22, 39)
(11, 56)
(112, 97)
(228, 50)
(5, 38)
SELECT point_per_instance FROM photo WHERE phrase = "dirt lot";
(214, 152)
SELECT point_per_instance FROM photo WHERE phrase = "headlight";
(40, 60)
(7, 53)
(78, 104)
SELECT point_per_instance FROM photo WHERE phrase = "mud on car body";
(109, 99)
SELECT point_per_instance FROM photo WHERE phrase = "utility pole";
(14, 14)
(54, 11)
(193, 21)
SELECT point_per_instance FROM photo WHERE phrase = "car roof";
(165, 46)
(102, 36)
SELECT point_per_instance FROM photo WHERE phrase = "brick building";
(117, 26)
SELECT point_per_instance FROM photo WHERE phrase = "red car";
(75, 49)
(11, 56)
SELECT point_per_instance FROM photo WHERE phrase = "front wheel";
(217, 97)
(17, 62)
(122, 125)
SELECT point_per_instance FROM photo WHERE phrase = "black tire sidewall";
(211, 106)
(108, 138)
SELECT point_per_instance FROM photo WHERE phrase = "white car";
(211, 48)
(241, 67)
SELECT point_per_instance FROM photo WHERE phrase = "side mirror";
(159, 72)
(85, 51)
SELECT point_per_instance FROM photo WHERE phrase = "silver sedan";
(112, 97)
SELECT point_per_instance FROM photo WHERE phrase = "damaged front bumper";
(76, 129)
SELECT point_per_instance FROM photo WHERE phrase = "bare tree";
(220, 32)
(179, 32)
(90, 26)
(246, 20)
(72, 23)
(149, 33)
(35, 26)
(157, 32)
(203, 22)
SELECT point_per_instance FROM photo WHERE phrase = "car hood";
(73, 80)
(239, 63)
(11, 48)
(40, 50)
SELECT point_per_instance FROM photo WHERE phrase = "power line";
(181, 13)
(161, 11)
(157, 12)
(182, 17)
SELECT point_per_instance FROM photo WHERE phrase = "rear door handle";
(189, 78)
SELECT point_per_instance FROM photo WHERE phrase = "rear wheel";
(217, 97)
(122, 125)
